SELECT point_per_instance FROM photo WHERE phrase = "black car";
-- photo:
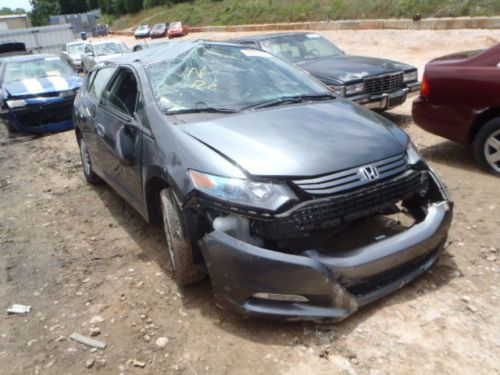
(100, 30)
(373, 82)
(261, 178)
(13, 49)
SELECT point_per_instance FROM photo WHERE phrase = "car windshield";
(110, 48)
(175, 25)
(76, 49)
(159, 26)
(143, 27)
(39, 68)
(300, 47)
(227, 78)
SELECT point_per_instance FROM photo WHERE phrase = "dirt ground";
(82, 258)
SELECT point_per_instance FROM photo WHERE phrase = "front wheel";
(179, 244)
(487, 146)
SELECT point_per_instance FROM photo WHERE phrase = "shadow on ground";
(454, 155)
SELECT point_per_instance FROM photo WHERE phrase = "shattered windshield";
(229, 77)
(40, 68)
(110, 48)
(301, 47)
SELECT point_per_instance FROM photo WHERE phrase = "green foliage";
(72, 6)
(7, 10)
(92, 4)
(41, 11)
(133, 6)
(233, 12)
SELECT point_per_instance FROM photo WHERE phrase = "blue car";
(37, 93)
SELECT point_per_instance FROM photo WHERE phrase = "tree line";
(43, 9)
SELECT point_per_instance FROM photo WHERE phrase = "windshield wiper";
(289, 99)
(200, 110)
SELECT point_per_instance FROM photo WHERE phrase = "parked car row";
(259, 163)
(161, 30)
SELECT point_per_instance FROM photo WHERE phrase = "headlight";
(413, 155)
(16, 103)
(267, 196)
(338, 90)
(411, 76)
(356, 88)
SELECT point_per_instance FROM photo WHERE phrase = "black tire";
(88, 172)
(179, 245)
(487, 146)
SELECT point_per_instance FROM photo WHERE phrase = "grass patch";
(238, 12)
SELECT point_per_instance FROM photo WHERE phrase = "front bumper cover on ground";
(335, 285)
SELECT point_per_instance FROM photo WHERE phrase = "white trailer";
(43, 39)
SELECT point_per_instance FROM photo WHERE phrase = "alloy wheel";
(492, 150)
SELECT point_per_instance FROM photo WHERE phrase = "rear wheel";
(179, 243)
(487, 146)
(88, 172)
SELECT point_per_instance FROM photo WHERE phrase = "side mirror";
(125, 146)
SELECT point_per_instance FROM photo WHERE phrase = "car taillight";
(425, 89)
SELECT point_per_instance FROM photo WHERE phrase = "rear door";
(119, 135)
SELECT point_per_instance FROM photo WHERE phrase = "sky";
(15, 4)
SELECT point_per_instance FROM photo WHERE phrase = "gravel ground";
(87, 263)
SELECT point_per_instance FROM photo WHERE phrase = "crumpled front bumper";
(334, 285)
(387, 100)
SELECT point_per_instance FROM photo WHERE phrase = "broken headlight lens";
(413, 155)
(16, 103)
(268, 196)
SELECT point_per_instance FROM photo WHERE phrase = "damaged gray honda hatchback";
(297, 205)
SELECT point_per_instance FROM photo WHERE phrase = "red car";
(177, 29)
(460, 100)
(159, 30)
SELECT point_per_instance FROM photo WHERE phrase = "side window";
(99, 81)
(121, 95)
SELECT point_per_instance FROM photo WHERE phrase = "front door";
(119, 135)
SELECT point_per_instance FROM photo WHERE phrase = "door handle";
(100, 130)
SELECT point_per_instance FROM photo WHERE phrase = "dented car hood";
(342, 69)
(301, 140)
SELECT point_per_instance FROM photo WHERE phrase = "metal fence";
(44, 39)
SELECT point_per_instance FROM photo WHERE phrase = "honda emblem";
(368, 173)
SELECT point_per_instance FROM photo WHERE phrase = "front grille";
(351, 178)
(38, 115)
(383, 83)
(323, 213)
